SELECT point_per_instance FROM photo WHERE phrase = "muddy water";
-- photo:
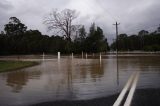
(76, 79)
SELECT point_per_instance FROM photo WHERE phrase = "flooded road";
(76, 79)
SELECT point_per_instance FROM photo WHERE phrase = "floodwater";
(76, 79)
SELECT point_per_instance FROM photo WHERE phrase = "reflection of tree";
(83, 72)
(141, 63)
(70, 77)
(97, 70)
(94, 68)
(18, 79)
(61, 80)
(67, 75)
(148, 63)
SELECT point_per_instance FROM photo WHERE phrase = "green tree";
(143, 32)
(14, 27)
(79, 40)
(96, 42)
(82, 34)
(123, 42)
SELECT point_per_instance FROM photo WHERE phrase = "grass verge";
(14, 65)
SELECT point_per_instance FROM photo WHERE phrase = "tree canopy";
(143, 41)
(62, 21)
(14, 27)
(19, 40)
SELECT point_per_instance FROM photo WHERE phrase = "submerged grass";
(14, 65)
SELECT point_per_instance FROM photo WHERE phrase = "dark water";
(76, 79)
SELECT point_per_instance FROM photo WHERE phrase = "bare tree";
(62, 21)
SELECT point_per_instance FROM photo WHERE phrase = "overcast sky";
(133, 15)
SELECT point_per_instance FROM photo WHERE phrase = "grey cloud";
(5, 7)
(143, 18)
(133, 15)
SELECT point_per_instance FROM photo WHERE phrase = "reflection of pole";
(117, 50)
(69, 77)
(117, 72)
(59, 65)
(86, 55)
(72, 55)
(43, 56)
(100, 57)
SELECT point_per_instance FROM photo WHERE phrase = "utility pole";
(117, 50)
(116, 36)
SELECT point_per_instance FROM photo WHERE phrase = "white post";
(58, 55)
(43, 56)
(82, 54)
(86, 55)
(100, 57)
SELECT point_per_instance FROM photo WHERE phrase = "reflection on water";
(16, 80)
(72, 79)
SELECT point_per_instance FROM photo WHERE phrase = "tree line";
(144, 41)
(70, 38)
(16, 39)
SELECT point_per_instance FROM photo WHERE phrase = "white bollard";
(58, 55)
(86, 55)
(82, 54)
(100, 57)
